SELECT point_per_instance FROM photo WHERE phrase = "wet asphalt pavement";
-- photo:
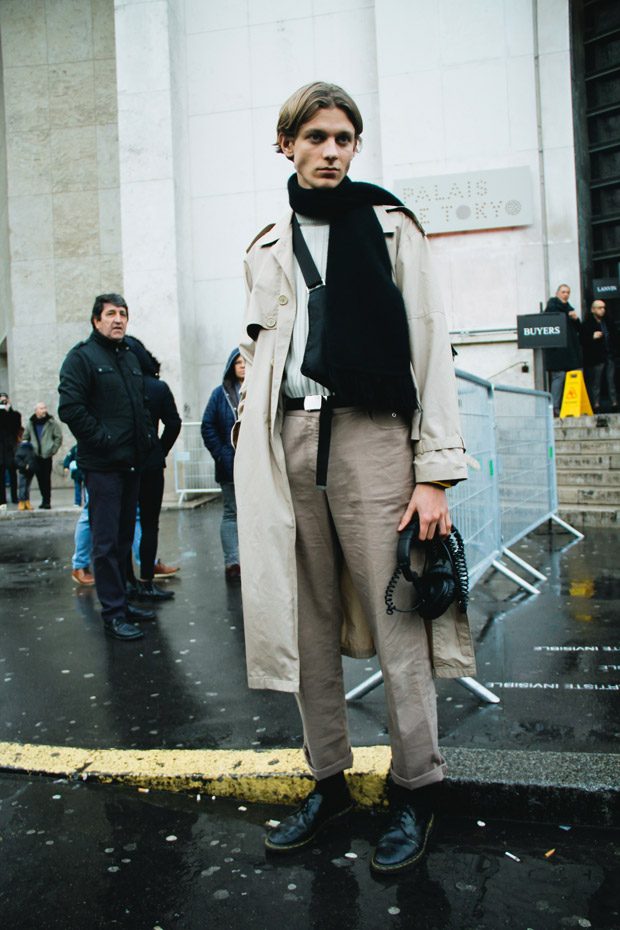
(78, 855)
(554, 660)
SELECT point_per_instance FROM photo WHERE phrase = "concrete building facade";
(136, 154)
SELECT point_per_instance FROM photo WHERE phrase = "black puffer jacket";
(102, 402)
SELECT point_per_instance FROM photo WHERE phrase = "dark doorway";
(595, 28)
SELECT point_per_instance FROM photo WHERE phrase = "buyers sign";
(541, 331)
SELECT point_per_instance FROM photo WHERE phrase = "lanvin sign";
(450, 203)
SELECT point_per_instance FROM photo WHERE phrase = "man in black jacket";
(598, 337)
(559, 361)
(102, 402)
(10, 427)
(162, 408)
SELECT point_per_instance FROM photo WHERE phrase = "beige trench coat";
(265, 515)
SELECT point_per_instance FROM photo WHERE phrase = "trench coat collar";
(280, 239)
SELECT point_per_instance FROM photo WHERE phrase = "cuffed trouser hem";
(345, 763)
(429, 778)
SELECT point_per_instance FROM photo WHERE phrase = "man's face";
(113, 322)
(40, 411)
(563, 293)
(322, 150)
(598, 309)
(239, 368)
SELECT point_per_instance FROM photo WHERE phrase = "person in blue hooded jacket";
(217, 423)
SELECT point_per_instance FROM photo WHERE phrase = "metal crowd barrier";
(526, 475)
(474, 504)
(194, 469)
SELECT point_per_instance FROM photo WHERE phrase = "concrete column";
(156, 241)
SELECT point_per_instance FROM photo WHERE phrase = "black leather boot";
(138, 613)
(119, 628)
(149, 591)
(411, 820)
(329, 801)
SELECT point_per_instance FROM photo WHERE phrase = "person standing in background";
(559, 361)
(26, 463)
(160, 404)
(598, 339)
(10, 428)
(70, 467)
(102, 402)
(45, 434)
(217, 423)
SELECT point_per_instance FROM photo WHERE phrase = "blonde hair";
(305, 102)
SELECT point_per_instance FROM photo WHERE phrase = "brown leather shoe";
(83, 576)
(164, 571)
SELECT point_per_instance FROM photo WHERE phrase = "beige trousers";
(369, 483)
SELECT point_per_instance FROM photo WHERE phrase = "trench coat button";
(270, 319)
(282, 299)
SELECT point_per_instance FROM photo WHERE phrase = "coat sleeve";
(169, 416)
(73, 403)
(438, 446)
(209, 427)
(56, 437)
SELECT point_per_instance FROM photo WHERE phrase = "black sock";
(334, 787)
(427, 798)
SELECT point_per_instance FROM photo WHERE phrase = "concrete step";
(601, 420)
(587, 446)
(605, 497)
(570, 477)
(581, 515)
(564, 460)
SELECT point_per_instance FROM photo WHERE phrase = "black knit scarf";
(366, 355)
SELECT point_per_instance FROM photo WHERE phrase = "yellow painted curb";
(277, 776)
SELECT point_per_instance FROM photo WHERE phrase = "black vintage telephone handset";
(444, 578)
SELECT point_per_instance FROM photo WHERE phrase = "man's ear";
(287, 145)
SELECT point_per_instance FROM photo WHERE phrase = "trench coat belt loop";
(325, 405)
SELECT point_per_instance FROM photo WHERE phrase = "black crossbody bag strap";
(302, 254)
(314, 358)
(313, 362)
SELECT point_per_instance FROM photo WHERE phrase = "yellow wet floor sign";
(575, 400)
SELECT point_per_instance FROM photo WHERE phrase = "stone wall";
(5, 261)
(58, 69)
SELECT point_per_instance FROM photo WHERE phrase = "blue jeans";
(83, 539)
(23, 482)
(228, 526)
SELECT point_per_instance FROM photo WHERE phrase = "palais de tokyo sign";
(449, 203)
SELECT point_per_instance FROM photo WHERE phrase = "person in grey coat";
(45, 434)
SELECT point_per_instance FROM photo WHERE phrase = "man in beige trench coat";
(348, 426)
